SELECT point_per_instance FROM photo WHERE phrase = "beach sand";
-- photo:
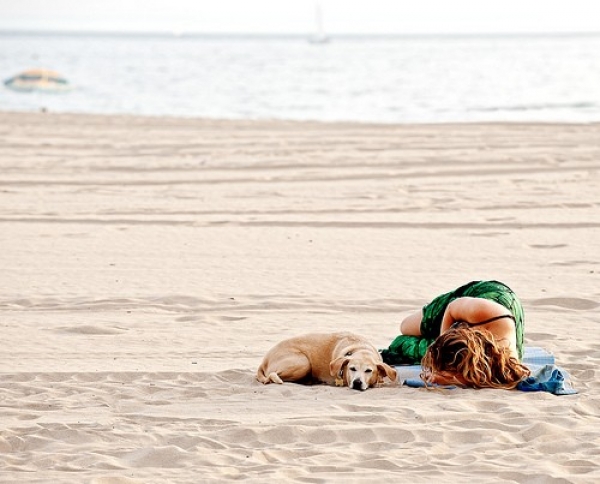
(148, 264)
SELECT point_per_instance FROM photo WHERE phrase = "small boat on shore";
(38, 80)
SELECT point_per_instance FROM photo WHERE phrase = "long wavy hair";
(474, 357)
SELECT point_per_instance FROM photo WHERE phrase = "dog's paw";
(274, 377)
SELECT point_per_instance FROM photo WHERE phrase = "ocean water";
(399, 79)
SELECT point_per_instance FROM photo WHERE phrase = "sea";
(388, 79)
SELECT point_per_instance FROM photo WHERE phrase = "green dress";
(410, 350)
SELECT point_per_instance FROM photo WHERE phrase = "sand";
(147, 265)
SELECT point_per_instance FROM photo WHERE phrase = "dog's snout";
(357, 385)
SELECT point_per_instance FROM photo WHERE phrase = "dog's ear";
(387, 370)
(338, 365)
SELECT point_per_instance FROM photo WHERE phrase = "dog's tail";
(272, 377)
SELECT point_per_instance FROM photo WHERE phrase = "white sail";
(319, 36)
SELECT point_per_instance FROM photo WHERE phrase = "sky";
(298, 16)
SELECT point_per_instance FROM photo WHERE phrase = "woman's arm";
(471, 310)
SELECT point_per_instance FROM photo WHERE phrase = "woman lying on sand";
(472, 336)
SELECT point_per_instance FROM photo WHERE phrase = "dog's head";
(360, 370)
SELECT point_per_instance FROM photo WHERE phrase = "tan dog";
(343, 359)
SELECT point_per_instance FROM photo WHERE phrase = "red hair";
(474, 357)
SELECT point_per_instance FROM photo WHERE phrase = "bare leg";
(411, 325)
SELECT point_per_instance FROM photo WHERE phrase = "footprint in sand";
(566, 302)
(91, 330)
(548, 246)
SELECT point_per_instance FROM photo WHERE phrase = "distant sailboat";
(319, 36)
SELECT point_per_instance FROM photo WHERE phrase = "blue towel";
(545, 375)
(418, 383)
(548, 378)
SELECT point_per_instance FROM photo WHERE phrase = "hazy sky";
(298, 16)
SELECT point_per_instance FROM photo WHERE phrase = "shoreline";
(284, 121)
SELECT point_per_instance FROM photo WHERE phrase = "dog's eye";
(352, 368)
(368, 370)
(349, 353)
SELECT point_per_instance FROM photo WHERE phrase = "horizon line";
(293, 35)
